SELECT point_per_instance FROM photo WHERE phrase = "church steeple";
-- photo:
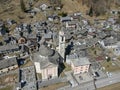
(62, 44)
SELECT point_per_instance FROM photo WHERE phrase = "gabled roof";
(46, 57)
(81, 61)
(45, 51)
(110, 41)
(8, 47)
(5, 63)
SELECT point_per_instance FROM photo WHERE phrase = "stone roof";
(81, 61)
(8, 47)
(45, 51)
(110, 41)
(5, 63)
(64, 19)
(27, 75)
(46, 57)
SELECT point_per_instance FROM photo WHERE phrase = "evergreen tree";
(91, 11)
(22, 4)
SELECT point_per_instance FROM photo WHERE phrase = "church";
(46, 62)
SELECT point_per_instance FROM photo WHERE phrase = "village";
(61, 52)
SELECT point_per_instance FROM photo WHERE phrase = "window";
(62, 38)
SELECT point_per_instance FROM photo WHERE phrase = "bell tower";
(62, 44)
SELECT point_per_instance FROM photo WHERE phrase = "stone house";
(8, 64)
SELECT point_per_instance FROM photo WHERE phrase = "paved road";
(52, 81)
(87, 86)
(115, 78)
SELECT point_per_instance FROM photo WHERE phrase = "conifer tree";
(22, 4)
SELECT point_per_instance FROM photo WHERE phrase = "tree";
(63, 14)
(21, 34)
(29, 29)
(108, 59)
(97, 7)
(22, 4)
(91, 11)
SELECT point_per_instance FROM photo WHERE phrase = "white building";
(62, 44)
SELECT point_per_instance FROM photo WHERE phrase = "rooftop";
(81, 61)
(46, 57)
(28, 79)
(45, 51)
(5, 63)
(8, 47)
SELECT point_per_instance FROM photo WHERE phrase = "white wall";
(37, 67)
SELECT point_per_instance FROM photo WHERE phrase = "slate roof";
(5, 63)
(27, 75)
(81, 61)
(91, 42)
(46, 57)
(101, 35)
(64, 19)
(45, 51)
(110, 41)
(8, 47)
(80, 47)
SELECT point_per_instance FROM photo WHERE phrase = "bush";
(63, 14)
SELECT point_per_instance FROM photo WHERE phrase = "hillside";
(11, 8)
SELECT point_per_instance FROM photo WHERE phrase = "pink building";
(80, 65)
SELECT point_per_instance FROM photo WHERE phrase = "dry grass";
(109, 67)
(39, 76)
(95, 51)
(13, 11)
(8, 78)
(71, 6)
(111, 87)
(1, 38)
(67, 67)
